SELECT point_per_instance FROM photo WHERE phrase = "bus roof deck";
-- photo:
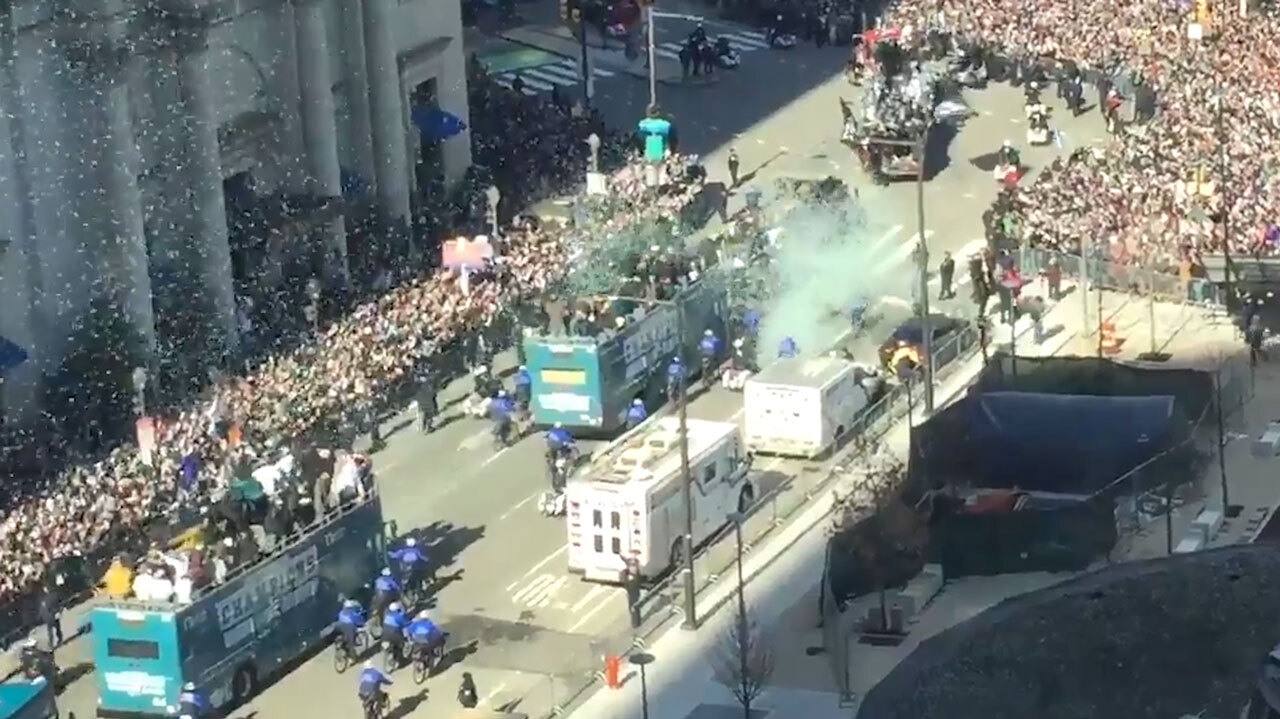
(292, 541)
(654, 450)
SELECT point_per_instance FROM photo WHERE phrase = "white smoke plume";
(828, 257)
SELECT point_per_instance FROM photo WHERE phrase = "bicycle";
(344, 656)
(425, 660)
(376, 707)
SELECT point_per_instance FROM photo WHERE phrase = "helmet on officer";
(708, 333)
(637, 402)
(397, 607)
(351, 604)
(422, 614)
(189, 687)
(368, 664)
(386, 571)
(410, 542)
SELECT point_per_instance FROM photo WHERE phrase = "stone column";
(355, 72)
(208, 229)
(288, 96)
(97, 65)
(320, 127)
(21, 388)
(387, 108)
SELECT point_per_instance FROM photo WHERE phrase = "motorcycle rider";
(559, 444)
(524, 389)
(502, 410)
(709, 348)
(36, 662)
(193, 703)
(1009, 155)
(393, 626)
(788, 348)
(372, 679)
(636, 413)
(386, 590)
(350, 619)
(423, 634)
(676, 375)
(412, 562)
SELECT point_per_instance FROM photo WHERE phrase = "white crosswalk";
(743, 41)
(540, 592)
(562, 73)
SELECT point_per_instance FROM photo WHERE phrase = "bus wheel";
(242, 684)
(746, 499)
(677, 554)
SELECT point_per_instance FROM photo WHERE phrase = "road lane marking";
(490, 460)
(473, 441)
(539, 593)
(563, 548)
(518, 505)
(488, 698)
(582, 603)
(588, 616)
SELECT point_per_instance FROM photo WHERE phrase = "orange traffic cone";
(1108, 340)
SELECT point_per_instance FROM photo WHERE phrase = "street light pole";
(652, 49)
(642, 660)
(926, 324)
(738, 518)
(686, 480)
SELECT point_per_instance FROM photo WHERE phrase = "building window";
(597, 519)
(615, 520)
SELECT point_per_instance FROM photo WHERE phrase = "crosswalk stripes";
(543, 78)
(540, 592)
(743, 41)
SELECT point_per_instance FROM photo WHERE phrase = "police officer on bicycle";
(423, 634)
(393, 626)
(709, 348)
(350, 620)
(412, 562)
(676, 375)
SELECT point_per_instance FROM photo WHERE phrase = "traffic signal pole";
(587, 77)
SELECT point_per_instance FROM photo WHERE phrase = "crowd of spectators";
(1159, 191)
(317, 395)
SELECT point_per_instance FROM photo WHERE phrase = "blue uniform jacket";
(421, 631)
(396, 620)
(386, 585)
(408, 555)
(371, 680)
(353, 616)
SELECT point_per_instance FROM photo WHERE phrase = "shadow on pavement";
(445, 541)
(405, 707)
(454, 656)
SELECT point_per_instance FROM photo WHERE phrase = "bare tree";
(745, 662)
(889, 534)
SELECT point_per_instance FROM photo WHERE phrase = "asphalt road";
(524, 627)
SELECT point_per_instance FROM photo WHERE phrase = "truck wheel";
(243, 684)
(746, 499)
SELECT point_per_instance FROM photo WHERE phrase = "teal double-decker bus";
(234, 635)
(587, 383)
(22, 699)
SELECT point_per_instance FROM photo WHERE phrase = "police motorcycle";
(37, 663)
(739, 369)
(562, 458)
(1009, 165)
(486, 388)
(726, 57)
(1038, 132)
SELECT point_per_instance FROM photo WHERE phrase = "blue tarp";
(436, 124)
(11, 355)
(1070, 444)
